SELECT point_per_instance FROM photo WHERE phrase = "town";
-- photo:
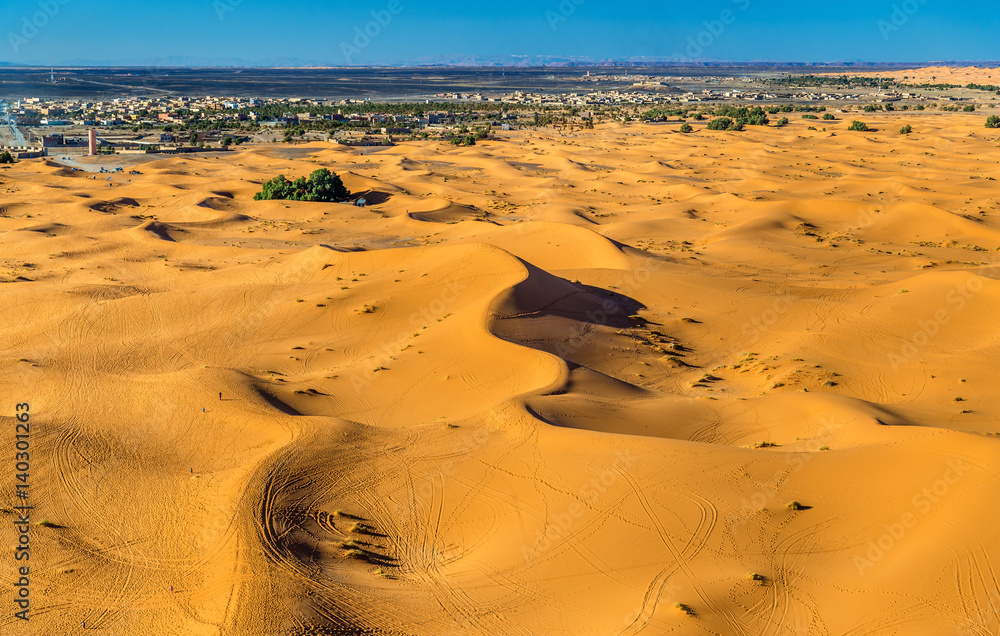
(36, 127)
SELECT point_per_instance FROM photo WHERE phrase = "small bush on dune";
(6, 157)
(686, 128)
(859, 126)
(906, 130)
(993, 121)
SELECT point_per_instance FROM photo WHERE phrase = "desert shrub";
(322, 185)
(859, 126)
(783, 121)
(686, 128)
(810, 117)
(993, 121)
(969, 109)
(906, 130)
(720, 123)
(756, 116)
(6, 157)
(829, 117)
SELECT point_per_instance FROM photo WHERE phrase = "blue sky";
(312, 31)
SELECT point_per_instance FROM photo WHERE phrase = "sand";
(961, 75)
(559, 383)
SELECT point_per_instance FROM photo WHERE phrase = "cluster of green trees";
(756, 116)
(984, 87)
(322, 185)
(6, 157)
(469, 138)
(724, 123)
(821, 80)
(663, 113)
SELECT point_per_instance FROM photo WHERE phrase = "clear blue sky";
(314, 31)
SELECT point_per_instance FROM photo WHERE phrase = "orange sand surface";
(936, 75)
(557, 384)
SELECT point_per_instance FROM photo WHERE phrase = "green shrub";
(810, 117)
(322, 185)
(783, 121)
(6, 157)
(686, 128)
(756, 116)
(969, 109)
(906, 130)
(829, 117)
(859, 126)
(720, 123)
(993, 121)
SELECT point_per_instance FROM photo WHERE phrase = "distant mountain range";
(507, 61)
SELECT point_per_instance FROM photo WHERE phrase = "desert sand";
(937, 75)
(558, 383)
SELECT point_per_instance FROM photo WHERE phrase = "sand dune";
(937, 75)
(559, 383)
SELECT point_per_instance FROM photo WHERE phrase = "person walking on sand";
(220, 396)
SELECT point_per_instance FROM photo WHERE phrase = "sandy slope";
(937, 75)
(529, 389)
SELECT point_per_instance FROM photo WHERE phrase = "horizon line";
(567, 64)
